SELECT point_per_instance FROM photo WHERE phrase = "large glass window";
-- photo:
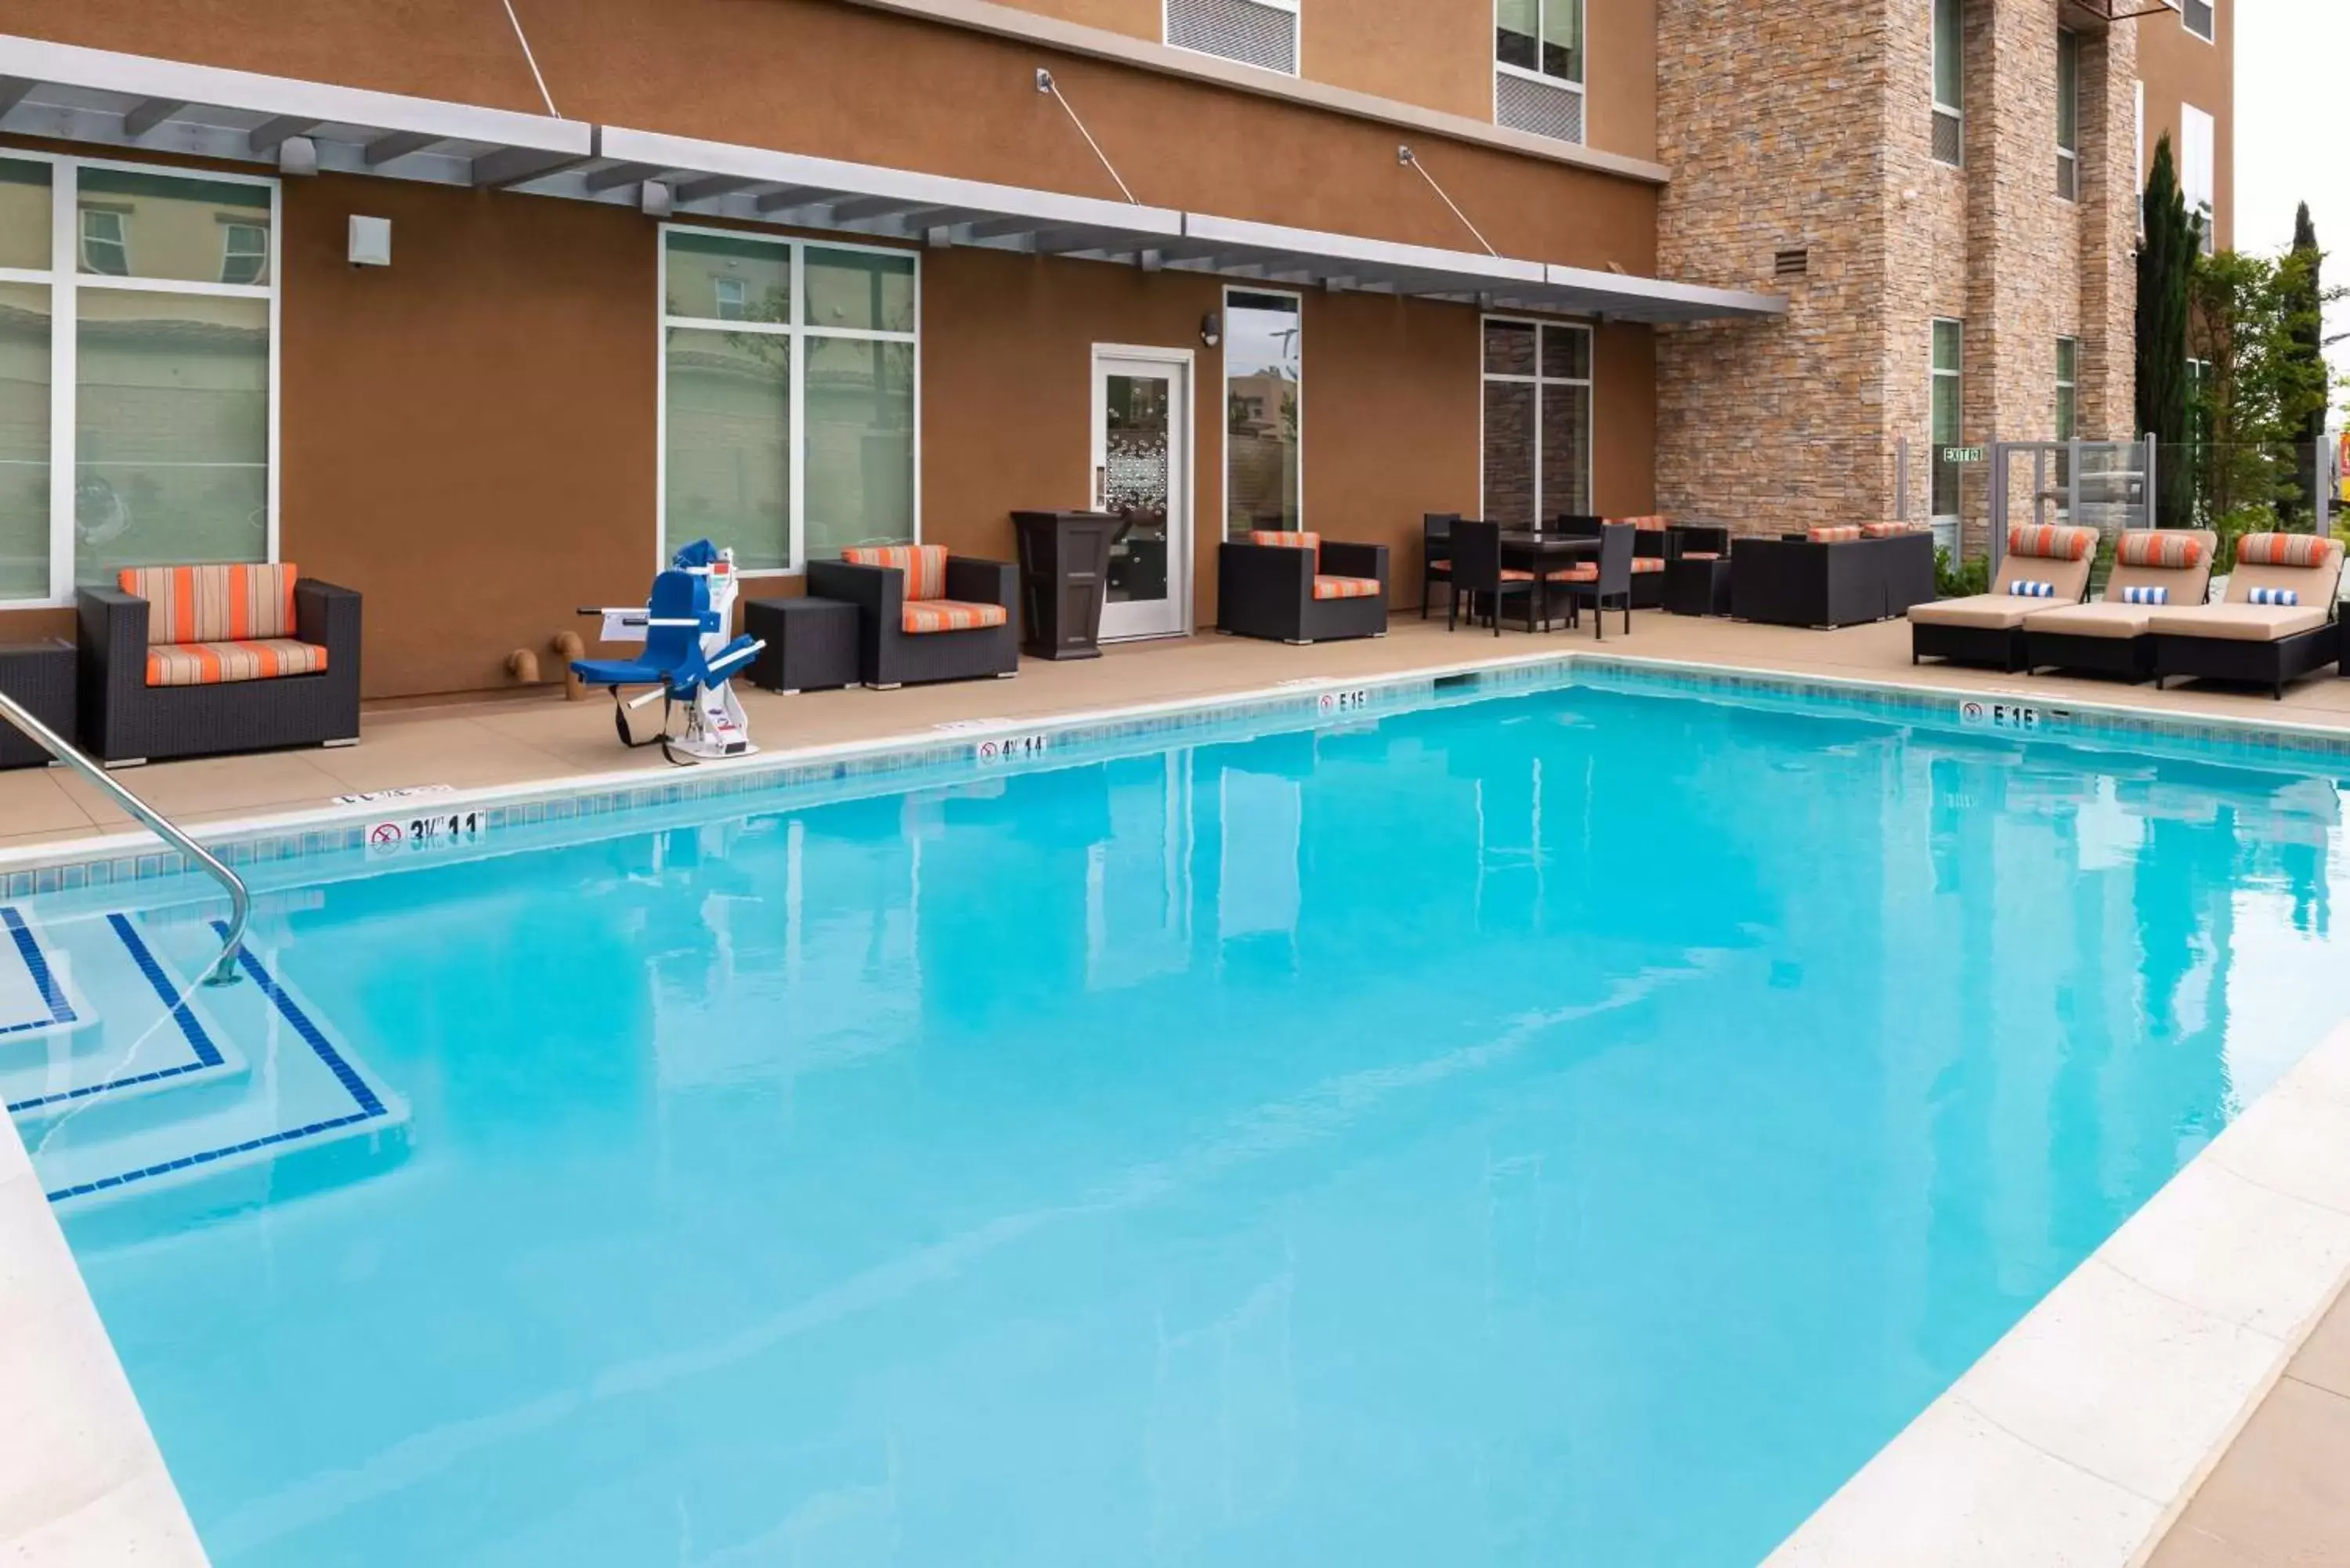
(1537, 419)
(788, 397)
(2198, 137)
(2068, 367)
(1545, 36)
(1949, 414)
(1265, 389)
(136, 313)
(1950, 81)
(2068, 114)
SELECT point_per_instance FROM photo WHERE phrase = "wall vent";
(1531, 103)
(1949, 136)
(1248, 31)
(1791, 264)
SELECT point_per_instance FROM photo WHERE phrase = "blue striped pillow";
(2276, 596)
(2145, 596)
(2025, 588)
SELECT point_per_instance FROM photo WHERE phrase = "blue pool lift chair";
(689, 658)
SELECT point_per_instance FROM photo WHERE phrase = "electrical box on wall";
(370, 241)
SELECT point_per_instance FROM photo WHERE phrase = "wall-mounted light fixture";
(1211, 329)
(370, 240)
(654, 197)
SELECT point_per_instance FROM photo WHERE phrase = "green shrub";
(1959, 580)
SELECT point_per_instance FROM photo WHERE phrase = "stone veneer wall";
(1812, 126)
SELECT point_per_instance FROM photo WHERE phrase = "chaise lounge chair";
(2275, 625)
(2046, 567)
(2154, 569)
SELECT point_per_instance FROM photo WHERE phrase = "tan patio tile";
(2325, 1358)
(2280, 1496)
(35, 801)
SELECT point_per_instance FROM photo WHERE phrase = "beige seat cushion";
(1983, 611)
(2238, 622)
(2106, 618)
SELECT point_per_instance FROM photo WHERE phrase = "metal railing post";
(224, 970)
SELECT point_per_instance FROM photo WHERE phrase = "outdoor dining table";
(1525, 550)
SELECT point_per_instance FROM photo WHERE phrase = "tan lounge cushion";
(2238, 623)
(2109, 619)
(1984, 610)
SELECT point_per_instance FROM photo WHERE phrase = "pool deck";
(2252, 1436)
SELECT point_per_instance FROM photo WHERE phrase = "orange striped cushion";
(1647, 563)
(1650, 523)
(1512, 575)
(1701, 555)
(216, 663)
(2162, 550)
(1838, 535)
(2050, 542)
(1345, 587)
(2285, 550)
(1586, 573)
(1888, 530)
(213, 604)
(1287, 540)
(925, 566)
(950, 615)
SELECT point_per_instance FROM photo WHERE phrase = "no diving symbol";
(384, 835)
(989, 751)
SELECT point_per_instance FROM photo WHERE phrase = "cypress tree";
(2305, 322)
(2165, 258)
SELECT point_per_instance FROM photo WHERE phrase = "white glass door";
(1141, 474)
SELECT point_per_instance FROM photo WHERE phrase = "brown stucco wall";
(2177, 67)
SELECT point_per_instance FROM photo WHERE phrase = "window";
(1949, 413)
(2199, 18)
(2068, 114)
(1253, 32)
(1537, 419)
(2195, 170)
(787, 396)
(105, 242)
(2068, 364)
(1950, 102)
(244, 253)
(1265, 386)
(1538, 84)
(153, 359)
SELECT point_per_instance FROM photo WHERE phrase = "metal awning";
(135, 102)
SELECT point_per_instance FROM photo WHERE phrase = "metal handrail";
(223, 968)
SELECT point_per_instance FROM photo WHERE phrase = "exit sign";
(1962, 454)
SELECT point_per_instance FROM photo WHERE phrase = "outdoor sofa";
(184, 661)
(2046, 568)
(2275, 625)
(924, 614)
(2153, 569)
(1297, 588)
(1832, 577)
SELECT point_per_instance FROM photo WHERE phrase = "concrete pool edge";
(2054, 1446)
(82, 1482)
(2080, 1435)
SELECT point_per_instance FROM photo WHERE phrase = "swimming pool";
(1575, 1125)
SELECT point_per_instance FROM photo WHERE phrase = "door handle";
(1101, 485)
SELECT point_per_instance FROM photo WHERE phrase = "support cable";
(1409, 160)
(1044, 84)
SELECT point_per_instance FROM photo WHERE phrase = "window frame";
(1580, 83)
(1955, 111)
(1296, 10)
(64, 280)
(2212, 36)
(796, 330)
(1935, 375)
(2068, 386)
(1588, 382)
(1223, 406)
(229, 227)
(2068, 136)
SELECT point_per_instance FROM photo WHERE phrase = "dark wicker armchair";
(925, 615)
(1295, 588)
(200, 660)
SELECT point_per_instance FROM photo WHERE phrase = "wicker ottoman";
(811, 643)
(40, 675)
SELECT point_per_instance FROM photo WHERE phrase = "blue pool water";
(1574, 1127)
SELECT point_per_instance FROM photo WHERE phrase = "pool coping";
(2078, 1437)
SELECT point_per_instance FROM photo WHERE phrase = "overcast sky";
(2293, 131)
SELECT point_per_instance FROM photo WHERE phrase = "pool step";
(62, 1056)
(241, 1091)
